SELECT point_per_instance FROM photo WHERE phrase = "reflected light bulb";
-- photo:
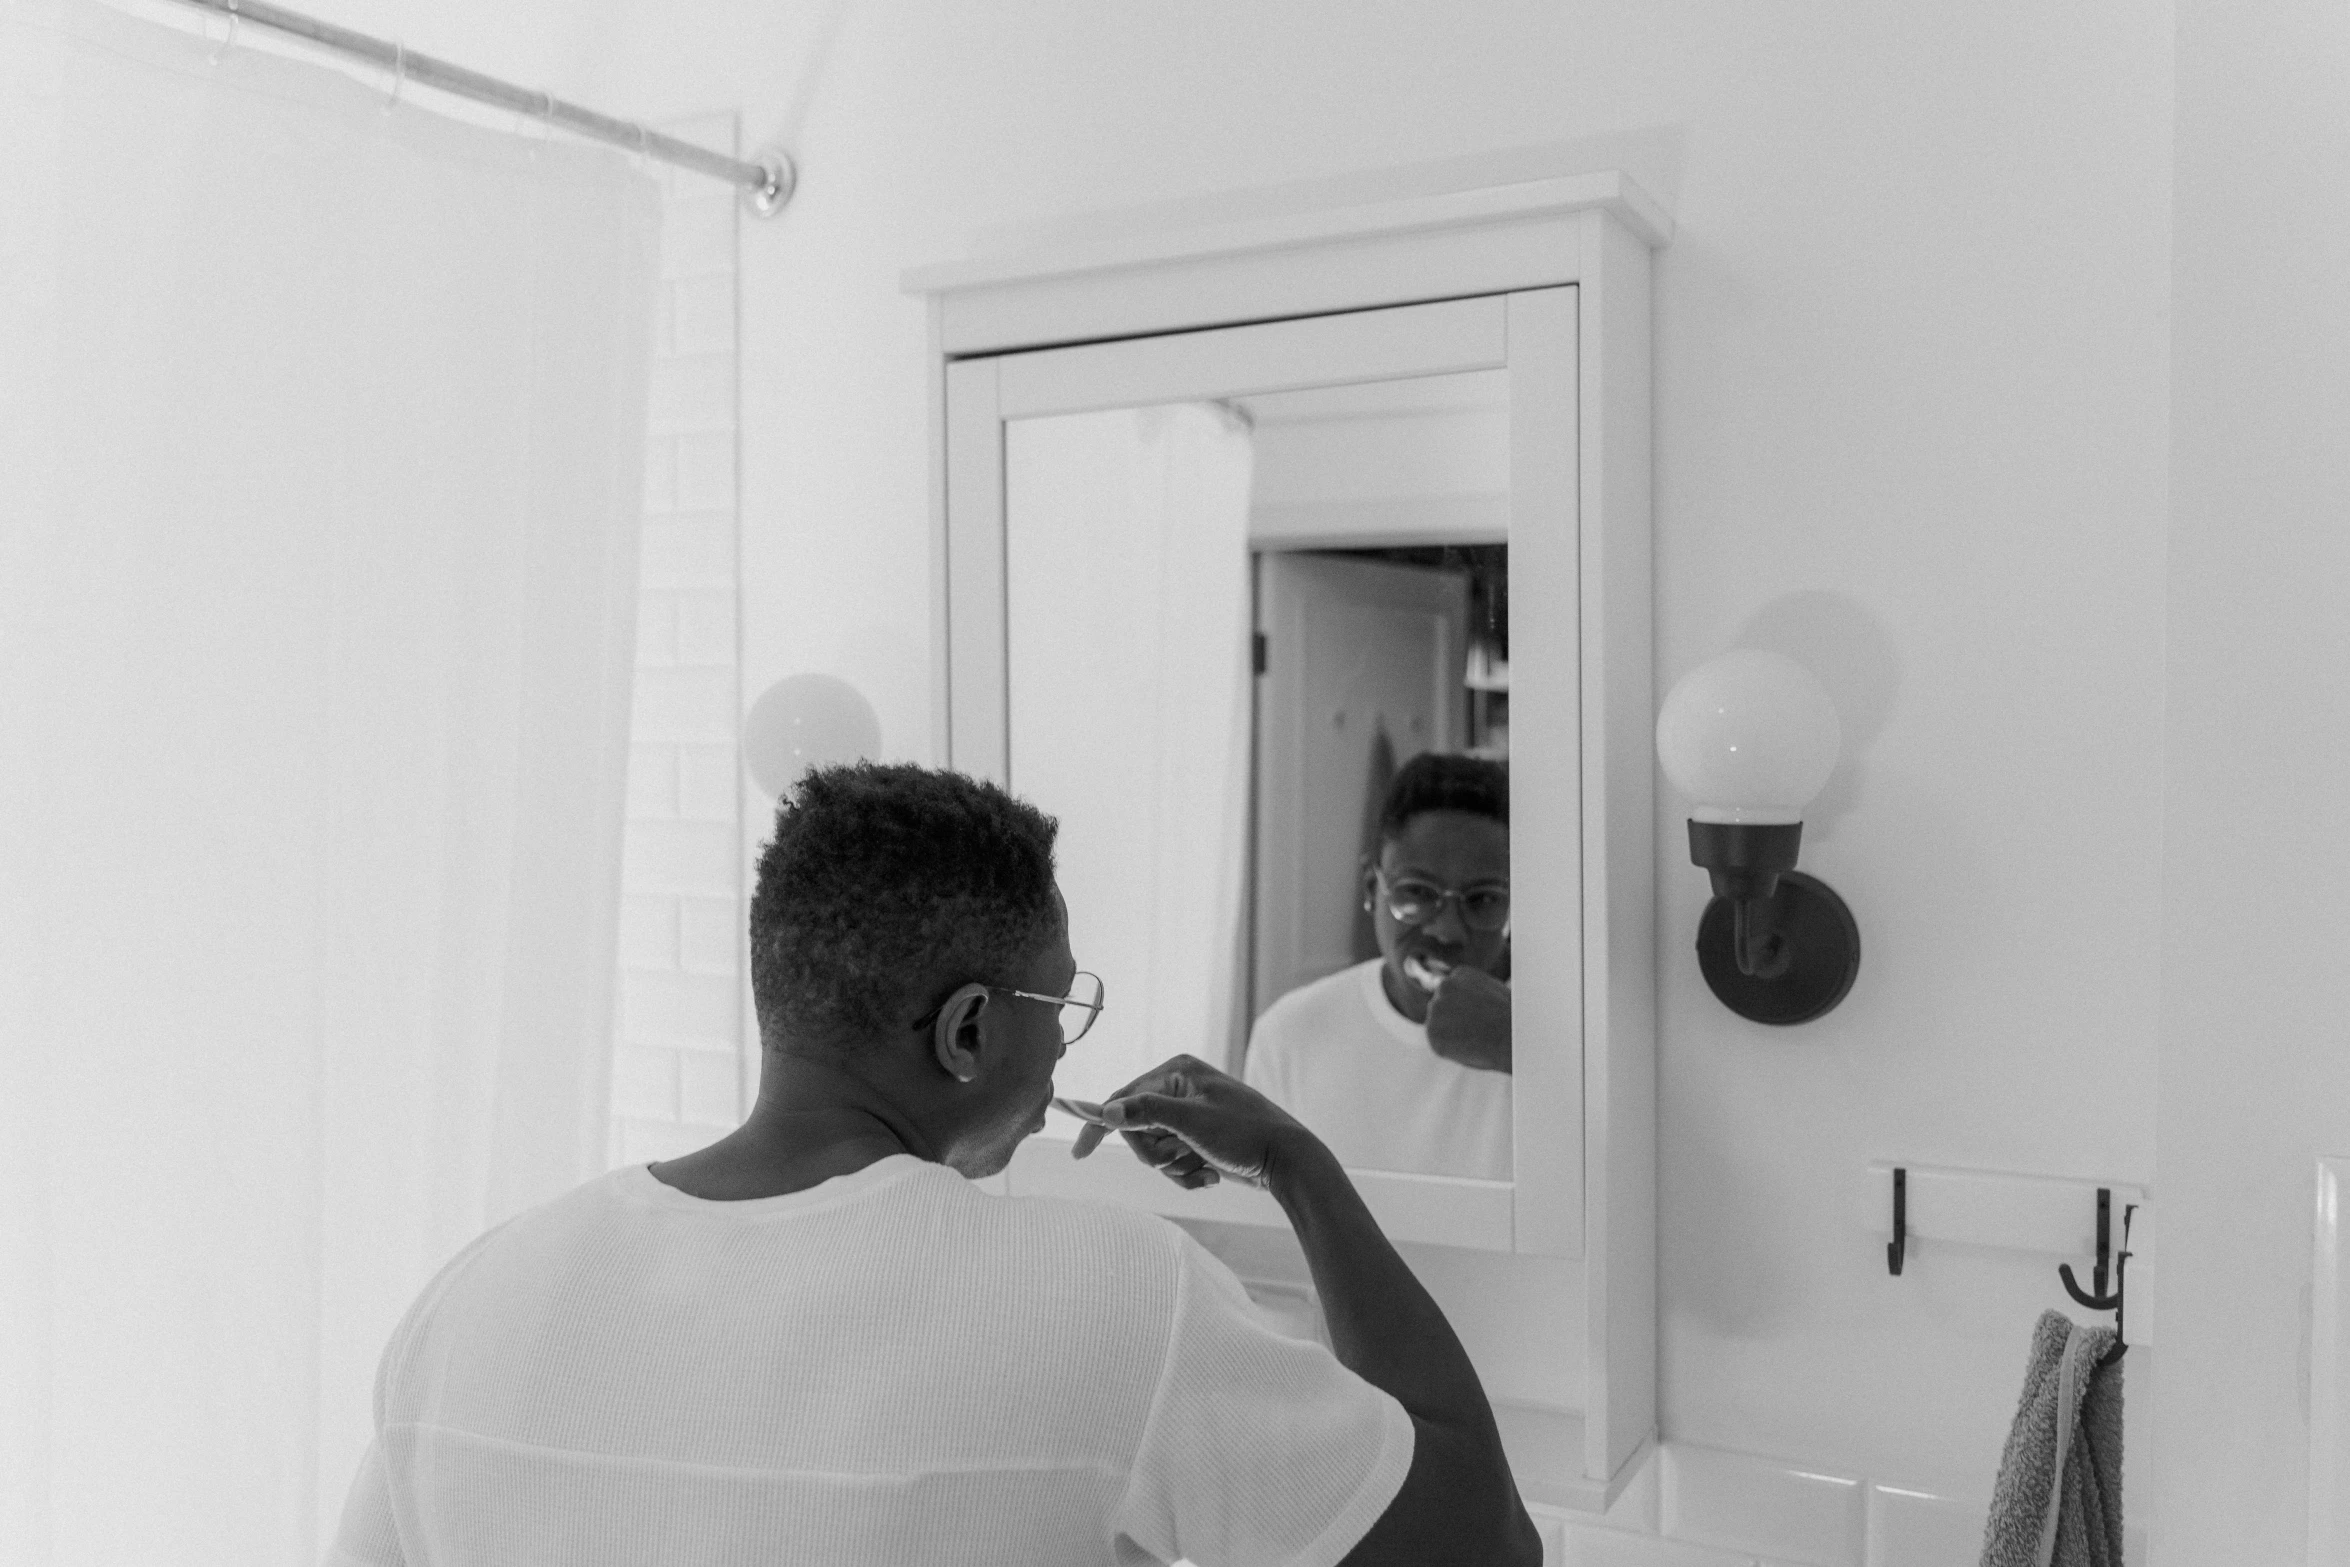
(1748, 737)
(805, 721)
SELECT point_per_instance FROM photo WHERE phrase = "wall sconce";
(1749, 738)
(803, 721)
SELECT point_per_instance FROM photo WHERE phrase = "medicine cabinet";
(1229, 524)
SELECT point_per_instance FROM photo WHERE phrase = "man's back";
(891, 1368)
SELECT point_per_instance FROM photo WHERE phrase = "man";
(1403, 1062)
(815, 1341)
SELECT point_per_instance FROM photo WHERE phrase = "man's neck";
(814, 1120)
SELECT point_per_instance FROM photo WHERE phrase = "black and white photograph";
(1219, 783)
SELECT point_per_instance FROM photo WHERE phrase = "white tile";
(710, 1089)
(705, 471)
(708, 783)
(710, 935)
(652, 782)
(689, 550)
(682, 859)
(644, 1083)
(656, 629)
(1917, 1529)
(690, 704)
(705, 625)
(645, 1142)
(691, 1011)
(697, 235)
(690, 392)
(703, 309)
(648, 932)
(660, 474)
(1743, 1503)
(1585, 1546)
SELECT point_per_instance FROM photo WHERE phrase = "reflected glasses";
(1079, 1007)
(1416, 902)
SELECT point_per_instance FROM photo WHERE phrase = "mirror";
(1257, 662)
(1140, 450)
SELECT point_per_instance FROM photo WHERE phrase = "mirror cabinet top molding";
(1356, 436)
(1530, 234)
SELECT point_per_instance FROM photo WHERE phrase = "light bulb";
(1748, 737)
(805, 721)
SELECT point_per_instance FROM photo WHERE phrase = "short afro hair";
(884, 883)
(1447, 782)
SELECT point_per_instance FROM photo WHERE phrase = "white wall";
(2255, 1078)
(1912, 426)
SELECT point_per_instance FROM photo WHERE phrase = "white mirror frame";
(1550, 280)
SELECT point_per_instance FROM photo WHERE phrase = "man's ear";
(954, 1038)
(1368, 875)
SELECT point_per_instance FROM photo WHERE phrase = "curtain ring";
(399, 75)
(227, 39)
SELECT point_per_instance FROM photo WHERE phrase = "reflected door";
(1361, 672)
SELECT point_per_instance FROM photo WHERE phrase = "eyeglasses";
(1078, 1008)
(1416, 902)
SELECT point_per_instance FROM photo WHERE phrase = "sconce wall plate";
(1823, 942)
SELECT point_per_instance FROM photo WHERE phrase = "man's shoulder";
(1106, 1229)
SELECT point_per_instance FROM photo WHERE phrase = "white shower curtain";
(1127, 602)
(320, 434)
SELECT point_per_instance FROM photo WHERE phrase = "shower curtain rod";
(766, 181)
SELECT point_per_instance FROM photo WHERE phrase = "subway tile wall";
(677, 1071)
(1695, 1506)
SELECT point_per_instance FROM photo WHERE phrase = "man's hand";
(1469, 1020)
(1195, 1125)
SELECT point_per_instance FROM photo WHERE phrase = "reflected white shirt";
(1338, 1056)
(890, 1369)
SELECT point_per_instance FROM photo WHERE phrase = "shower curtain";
(1126, 568)
(321, 422)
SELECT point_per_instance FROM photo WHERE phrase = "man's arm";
(1458, 1503)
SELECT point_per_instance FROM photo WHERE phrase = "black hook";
(2100, 1301)
(1899, 1245)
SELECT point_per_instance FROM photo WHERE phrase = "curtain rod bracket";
(774, 191)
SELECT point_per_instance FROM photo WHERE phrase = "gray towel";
(2068, 1425)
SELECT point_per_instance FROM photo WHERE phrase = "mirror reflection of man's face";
(1455, 851)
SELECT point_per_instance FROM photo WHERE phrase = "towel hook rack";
(2098, 1299)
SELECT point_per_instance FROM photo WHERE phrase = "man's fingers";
(1137, 1112)
(1089, 1137)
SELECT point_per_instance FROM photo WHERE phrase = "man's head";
(1444, 861)
(890, 893)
